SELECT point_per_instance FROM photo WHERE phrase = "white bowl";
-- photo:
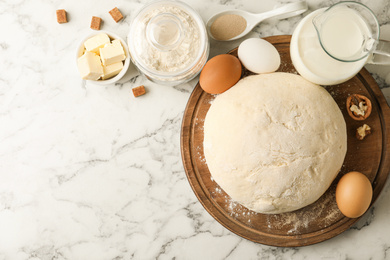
(113, 36)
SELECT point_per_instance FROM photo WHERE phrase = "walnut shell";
(355, 99)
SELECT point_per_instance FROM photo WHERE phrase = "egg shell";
(353, 194)
(220, 73)
(259, 56)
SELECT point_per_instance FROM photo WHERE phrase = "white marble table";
(90, 172)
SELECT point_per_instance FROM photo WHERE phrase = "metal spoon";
(252, 20)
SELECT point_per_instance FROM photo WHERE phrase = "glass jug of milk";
(331, 45)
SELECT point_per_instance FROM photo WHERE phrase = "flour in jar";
(167, 39)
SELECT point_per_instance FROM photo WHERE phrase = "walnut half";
(358, 106)
(363, 131)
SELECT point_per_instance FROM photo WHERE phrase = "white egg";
(258, 55)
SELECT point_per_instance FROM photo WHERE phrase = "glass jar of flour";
(168, 42)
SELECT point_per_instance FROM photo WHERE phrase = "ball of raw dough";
(274, 142)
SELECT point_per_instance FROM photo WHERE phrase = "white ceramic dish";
(113, 36)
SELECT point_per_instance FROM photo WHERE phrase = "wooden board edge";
(384, 109)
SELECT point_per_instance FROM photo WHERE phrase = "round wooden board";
(319, 221)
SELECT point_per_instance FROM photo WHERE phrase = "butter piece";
(112, 53)
(89, 66)
(112, 70)
(96, 42)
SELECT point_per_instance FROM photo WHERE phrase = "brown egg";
(220, 73)
(353, 194)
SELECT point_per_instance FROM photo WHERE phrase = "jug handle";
(381, 54)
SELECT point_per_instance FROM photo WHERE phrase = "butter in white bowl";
(96, 42)
(103, 58)
(111, 70)
(112, 53)
(90, 67)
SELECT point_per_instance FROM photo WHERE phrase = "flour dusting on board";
(233, 208)
(321, 214)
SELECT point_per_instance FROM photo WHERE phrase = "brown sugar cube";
(61, 16)
(139, 91)
(95, 23)
(116, 14)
